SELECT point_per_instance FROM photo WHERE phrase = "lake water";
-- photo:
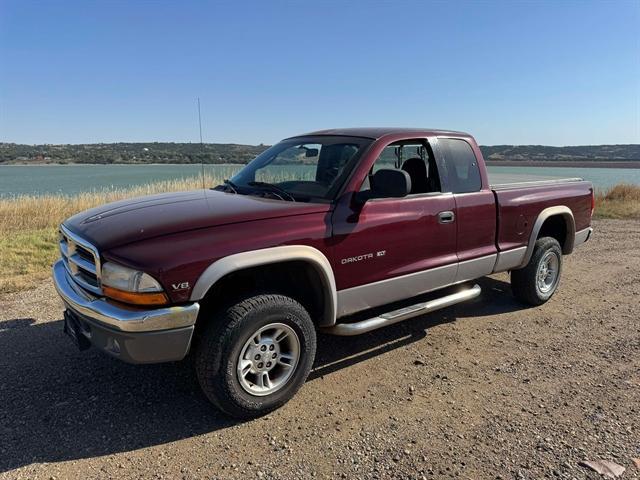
(71, 179)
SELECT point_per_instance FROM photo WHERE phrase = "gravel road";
(486, 389)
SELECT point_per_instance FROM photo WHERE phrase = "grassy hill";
(217, 153)
(105, 153)
(577, 153)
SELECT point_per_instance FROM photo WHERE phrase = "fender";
(567, 214)
(254, 258)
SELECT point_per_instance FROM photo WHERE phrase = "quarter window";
(463, 172)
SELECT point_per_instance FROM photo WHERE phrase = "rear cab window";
(462, 170)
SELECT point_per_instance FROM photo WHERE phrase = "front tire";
(255, 355)
(538, 281)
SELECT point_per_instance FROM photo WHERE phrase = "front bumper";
(130, 334)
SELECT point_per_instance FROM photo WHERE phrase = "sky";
(552, 73)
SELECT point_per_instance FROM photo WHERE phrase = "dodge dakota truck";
(337, 231)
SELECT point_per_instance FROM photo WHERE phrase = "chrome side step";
(389, 318)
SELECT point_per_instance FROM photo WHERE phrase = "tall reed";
(620, 201)
(30, 212)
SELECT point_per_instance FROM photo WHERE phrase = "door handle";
(446, 217)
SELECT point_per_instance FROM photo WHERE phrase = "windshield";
(300, 169)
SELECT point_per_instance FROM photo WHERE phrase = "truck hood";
(119, 223)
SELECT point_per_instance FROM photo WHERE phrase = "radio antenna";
(201, 144)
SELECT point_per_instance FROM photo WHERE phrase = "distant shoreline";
(78, 164)
(564, 163)
(490, 163)
(167, 153)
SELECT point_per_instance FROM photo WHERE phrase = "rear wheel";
(537, 282)
(256, 354)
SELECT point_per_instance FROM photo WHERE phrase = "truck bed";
(521, 200)
(502, 181)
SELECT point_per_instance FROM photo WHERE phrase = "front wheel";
(537, 282)
(256, 354)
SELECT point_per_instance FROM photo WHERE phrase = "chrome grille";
(81, 259)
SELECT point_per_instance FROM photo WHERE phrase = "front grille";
(81, 260)
(84, 253)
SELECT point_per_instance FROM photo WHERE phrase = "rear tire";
(255, 354)
(538, 281)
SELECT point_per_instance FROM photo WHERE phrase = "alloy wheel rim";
(547, 274)
(268, 359)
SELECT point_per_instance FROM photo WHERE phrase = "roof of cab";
(378, 132)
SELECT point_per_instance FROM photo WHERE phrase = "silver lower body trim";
(363, 297)
(120, 318)
(583, 236)
(510, 259)
(476, 268)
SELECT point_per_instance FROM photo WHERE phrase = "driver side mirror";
(387, 183)
(390, 182)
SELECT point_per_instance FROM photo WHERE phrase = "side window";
(463, 172)
(414, 157)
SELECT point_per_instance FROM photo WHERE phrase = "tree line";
(220, 153)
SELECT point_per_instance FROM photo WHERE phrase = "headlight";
(131, 286)
(127, 279)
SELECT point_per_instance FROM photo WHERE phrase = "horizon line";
(3, 142)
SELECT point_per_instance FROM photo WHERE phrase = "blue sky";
(555, 73)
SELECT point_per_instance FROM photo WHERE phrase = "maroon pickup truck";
(340, 231)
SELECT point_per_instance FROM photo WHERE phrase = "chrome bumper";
(120, 317)
(131, 335)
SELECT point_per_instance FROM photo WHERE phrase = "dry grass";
(26, 258)
(28, 224)
(25, 213)
(621, 201)
(28, 245)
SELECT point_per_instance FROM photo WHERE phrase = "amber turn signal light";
(135, 298)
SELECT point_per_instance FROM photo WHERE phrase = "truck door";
(474, 205)
(394, 248)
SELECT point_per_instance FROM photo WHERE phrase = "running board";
(389, 318)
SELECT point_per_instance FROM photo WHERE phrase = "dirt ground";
(486, 389)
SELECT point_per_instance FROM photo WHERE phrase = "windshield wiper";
(231, 186)
(274, 189)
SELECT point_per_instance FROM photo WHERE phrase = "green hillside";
(578, 153)
(105, 153)
(217, 153)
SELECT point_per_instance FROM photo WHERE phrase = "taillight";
(593, 202)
